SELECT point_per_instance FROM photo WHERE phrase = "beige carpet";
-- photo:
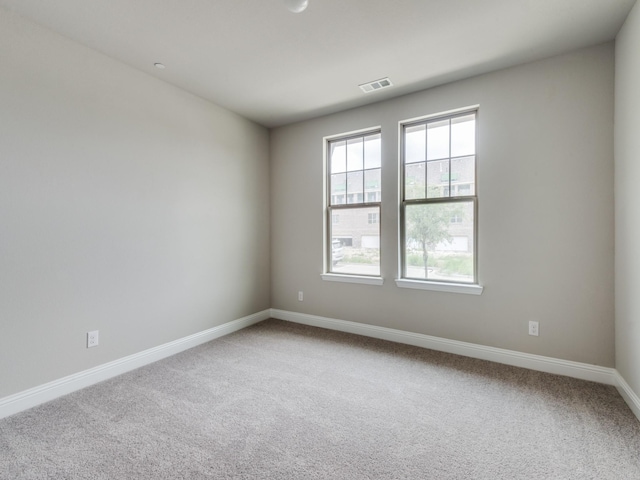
(284, 401)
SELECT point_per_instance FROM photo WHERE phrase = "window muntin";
(439, 203)
(354, 196)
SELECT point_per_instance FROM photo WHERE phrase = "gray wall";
(132, 207)
(627, 166)
(545, 183)
(126, 205)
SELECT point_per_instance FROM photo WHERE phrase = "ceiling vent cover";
(376, 85)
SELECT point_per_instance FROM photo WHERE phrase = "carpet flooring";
(286, 401)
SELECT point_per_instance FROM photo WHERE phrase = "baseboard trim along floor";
(508, 357)
(628, 394)
(49, 391)
(583, 371)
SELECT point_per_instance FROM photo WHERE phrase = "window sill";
(334, 277)
(440, 287)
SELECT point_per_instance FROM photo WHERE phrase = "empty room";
(286, 239)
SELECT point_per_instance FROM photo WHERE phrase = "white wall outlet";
(93, 338)
(300, 296)
(534, 328)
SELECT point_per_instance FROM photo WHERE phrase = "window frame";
(330, 209)
(405, 281)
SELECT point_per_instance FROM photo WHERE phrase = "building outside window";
(439, 203)
(354, 194)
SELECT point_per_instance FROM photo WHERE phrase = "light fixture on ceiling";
(159, 65)
(296, 6)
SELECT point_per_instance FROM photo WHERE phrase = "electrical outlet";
(534, 328)
(300, 296)
(93, 338)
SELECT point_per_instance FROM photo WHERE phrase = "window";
(354, 193)
(439, 204)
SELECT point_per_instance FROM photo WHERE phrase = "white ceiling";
(275, 67)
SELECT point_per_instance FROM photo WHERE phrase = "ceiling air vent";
(375, 85)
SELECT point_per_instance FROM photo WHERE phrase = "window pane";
(372, 151)
(372, 185)
(355, 177)
(354, 154)
(438, 179)
(414, 181)
(338, 157)
(463, 136)
(338, 188)
(414, 144)
(438, 140)
(354, 187)
(463, 174)
(439, 241)
(355, 242)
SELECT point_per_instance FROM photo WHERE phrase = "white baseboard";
(509, 357)
(628, 394)
(57, 388)
(583, 371)
(52, 390)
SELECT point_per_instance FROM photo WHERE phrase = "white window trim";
(346, 277)
(365, 280)
(446, 113)
(468, 288)
(436, 286)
